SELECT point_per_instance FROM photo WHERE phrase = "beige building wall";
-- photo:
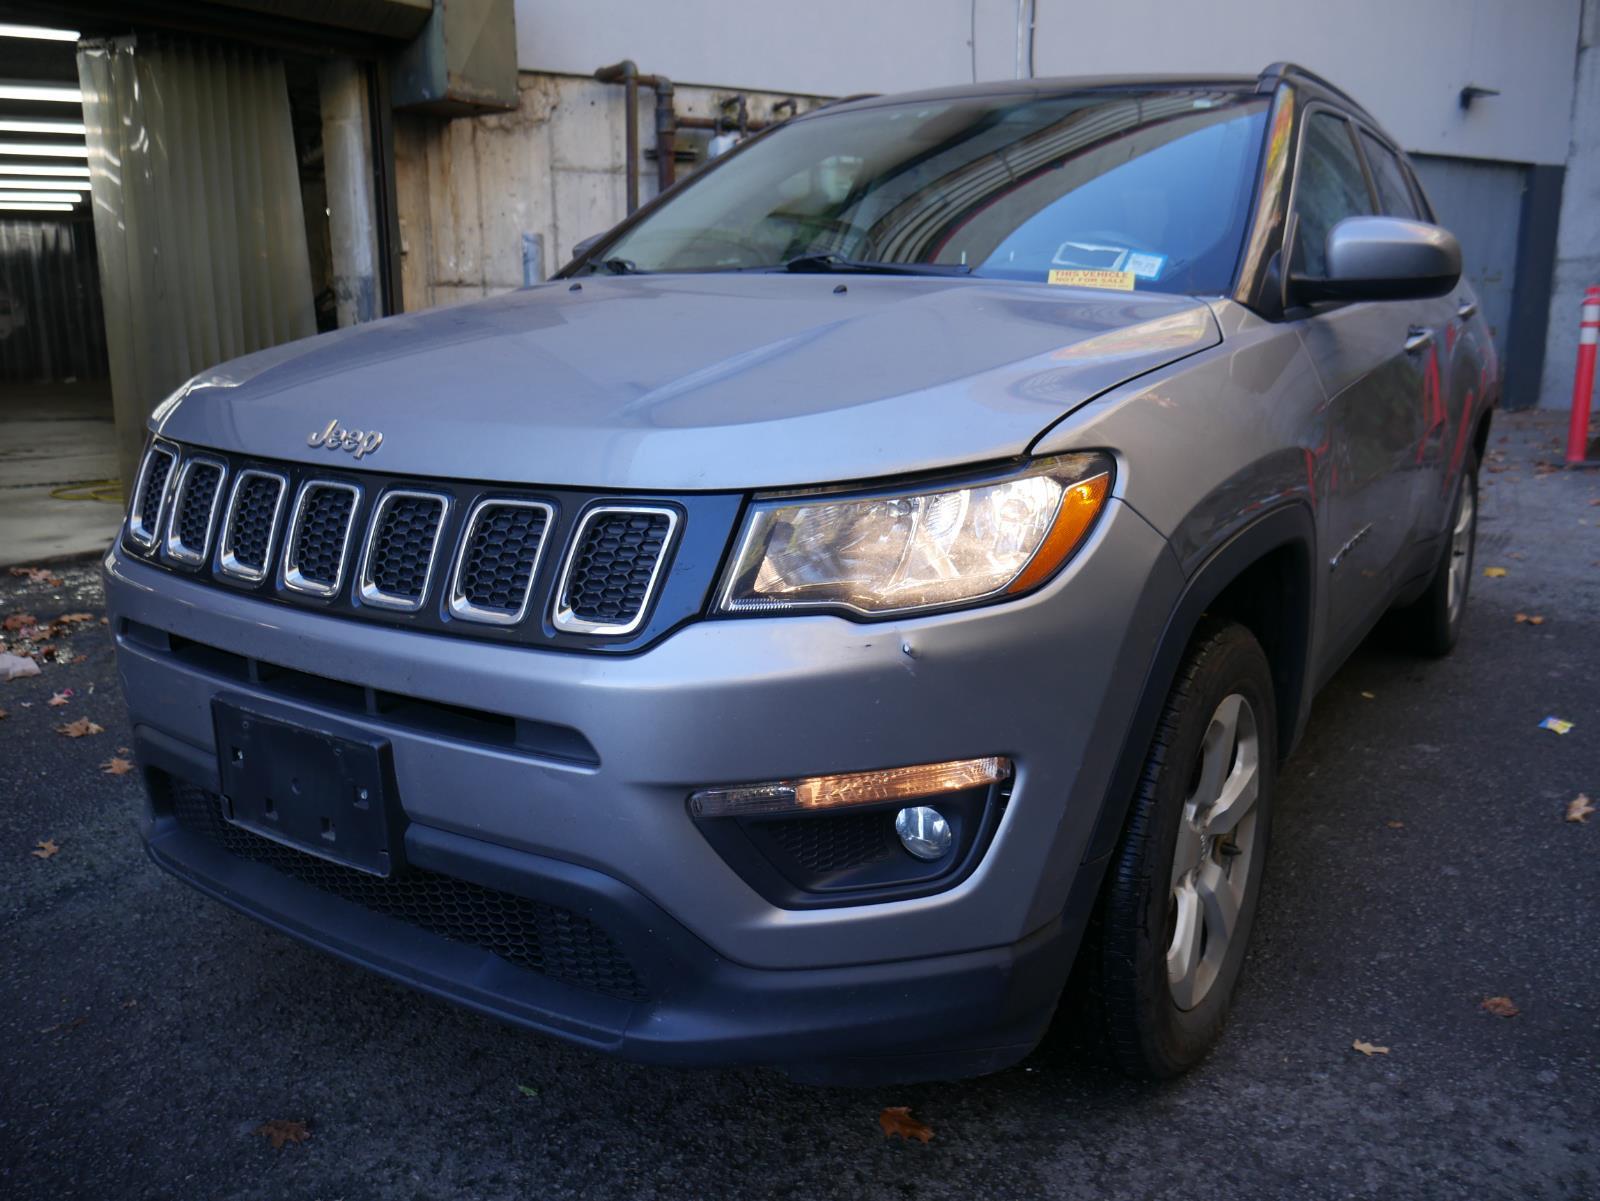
(468, 189)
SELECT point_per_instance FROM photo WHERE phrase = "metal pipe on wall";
(627, 73)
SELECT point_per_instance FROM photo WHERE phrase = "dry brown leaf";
(38, 575)
(1525, 619)
(1579, 808)
(1371, 696)
(1368, 1049)
(19, 621)
(281, 1131)
(897, 1119)
(1501, 1007)
(2, 714)
(45, 848)
(1494, 573)
(71, 619)
(60, 698)
(1397, 825)
(77, 729)
(117, 767)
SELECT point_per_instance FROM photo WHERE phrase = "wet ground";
(1421, 863)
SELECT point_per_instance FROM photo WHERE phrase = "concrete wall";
(1406, 60)
(469, 189)
(1578, 236)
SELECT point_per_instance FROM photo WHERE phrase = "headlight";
(901, 551)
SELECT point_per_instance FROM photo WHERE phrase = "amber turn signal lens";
(850, 788)
(1080, 505)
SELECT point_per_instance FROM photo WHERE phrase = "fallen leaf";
(60, 698)
(45, 848)
(1559, 724)
(131, 1003)
(1595, 501)
(72, 1025)
(116, 767)
(1494, 573)
(1397, 825)
(281, 1131)
(1501, 1007)
(1368, 1049)
(71, 619)
(1371, 696)
(18, 621)
(1525, 619)
(77, 729)
(897, 1119)
(526, 1091)
(1579, 808)
(38, 575)
(122, 750)
(2, 714)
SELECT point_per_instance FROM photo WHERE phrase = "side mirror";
(1383, 258)
(588, 244)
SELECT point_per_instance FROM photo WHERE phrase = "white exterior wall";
(1406, 60)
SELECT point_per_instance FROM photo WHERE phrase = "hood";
(696, 382)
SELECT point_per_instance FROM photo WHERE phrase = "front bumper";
(1050, 680)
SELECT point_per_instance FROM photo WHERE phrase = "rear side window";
(1330, 188)
(1389, 177)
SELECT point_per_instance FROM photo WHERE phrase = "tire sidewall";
(1181, 1037)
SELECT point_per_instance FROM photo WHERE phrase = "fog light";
(852, 788)
(923, 831)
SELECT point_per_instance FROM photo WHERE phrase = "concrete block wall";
(1578, 237)
(468, 189)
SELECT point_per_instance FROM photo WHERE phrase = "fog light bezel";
(752, 844)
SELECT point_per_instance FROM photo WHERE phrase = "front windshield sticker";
(1145, 266)
(1122, 281)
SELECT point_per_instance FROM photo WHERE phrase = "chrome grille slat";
(317, 545)
(402, 545)
(613, 568)
(192, 515)
(250, 526)
(502, 545)
(144, 525)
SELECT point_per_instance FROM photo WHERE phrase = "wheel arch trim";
(1290, 526)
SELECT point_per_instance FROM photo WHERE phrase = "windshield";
(1128, 190)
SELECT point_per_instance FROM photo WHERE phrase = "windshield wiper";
(618, 267)
(830, 262)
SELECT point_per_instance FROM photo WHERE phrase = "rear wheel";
(1431, 625)
(1167, 942)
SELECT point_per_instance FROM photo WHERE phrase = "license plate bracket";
(329, 795)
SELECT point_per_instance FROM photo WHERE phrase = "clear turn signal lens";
(850, 788)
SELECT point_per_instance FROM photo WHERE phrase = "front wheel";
(1167, 942)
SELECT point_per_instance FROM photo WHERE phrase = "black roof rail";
(1280, 71)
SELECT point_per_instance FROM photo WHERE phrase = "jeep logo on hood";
(336, 437)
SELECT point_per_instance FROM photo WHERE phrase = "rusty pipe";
(666, 130)
(627, 73)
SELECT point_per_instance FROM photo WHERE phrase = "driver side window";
(1330, 188)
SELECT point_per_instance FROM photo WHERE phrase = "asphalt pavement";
(1422, 862)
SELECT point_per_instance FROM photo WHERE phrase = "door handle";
(1466, 308)
(1418, 338)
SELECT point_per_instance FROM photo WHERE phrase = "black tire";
(1430, 625)
(1121, 975)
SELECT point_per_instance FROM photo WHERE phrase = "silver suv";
(875, 582)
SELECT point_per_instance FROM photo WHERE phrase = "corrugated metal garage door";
(1481, 203)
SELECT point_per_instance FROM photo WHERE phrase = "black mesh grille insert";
(155, 483)
(402, 545)
(319, 542)
(612, 570)
(542, 938)
(250, 528)
(194, 506)
(502, 548)
(830, 844)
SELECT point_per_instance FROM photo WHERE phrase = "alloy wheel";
(1460, 551)
(1216, 843)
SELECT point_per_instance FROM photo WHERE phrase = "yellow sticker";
(1122, 281)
